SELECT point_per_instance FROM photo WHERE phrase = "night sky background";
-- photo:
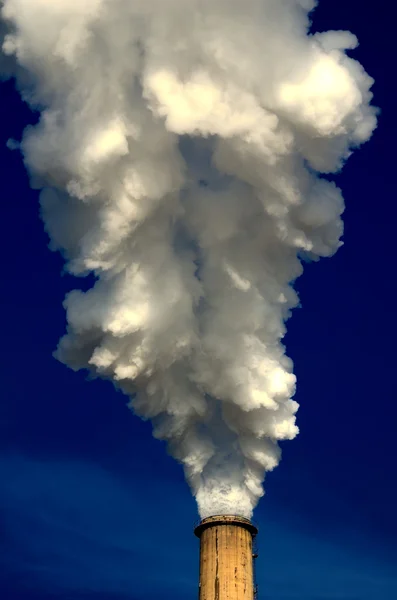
(92, 508)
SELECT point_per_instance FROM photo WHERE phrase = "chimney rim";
(234, 520)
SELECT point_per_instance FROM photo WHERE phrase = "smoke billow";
(179, 152)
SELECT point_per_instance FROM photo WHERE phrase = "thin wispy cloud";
(73, 526)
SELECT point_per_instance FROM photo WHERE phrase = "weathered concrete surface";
(226, 569)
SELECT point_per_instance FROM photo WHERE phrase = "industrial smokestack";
(226, 558)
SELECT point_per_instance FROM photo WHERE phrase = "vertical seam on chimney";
(216, 566)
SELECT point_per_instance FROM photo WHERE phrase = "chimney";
(226, 558)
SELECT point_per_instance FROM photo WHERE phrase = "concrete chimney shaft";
(226, 558)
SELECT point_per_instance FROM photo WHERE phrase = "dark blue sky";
(91, 507)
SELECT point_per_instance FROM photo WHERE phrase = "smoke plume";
(179, 154)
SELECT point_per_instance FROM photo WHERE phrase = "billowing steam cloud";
(178, 151)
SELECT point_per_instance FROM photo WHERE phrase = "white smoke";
(179, 150)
